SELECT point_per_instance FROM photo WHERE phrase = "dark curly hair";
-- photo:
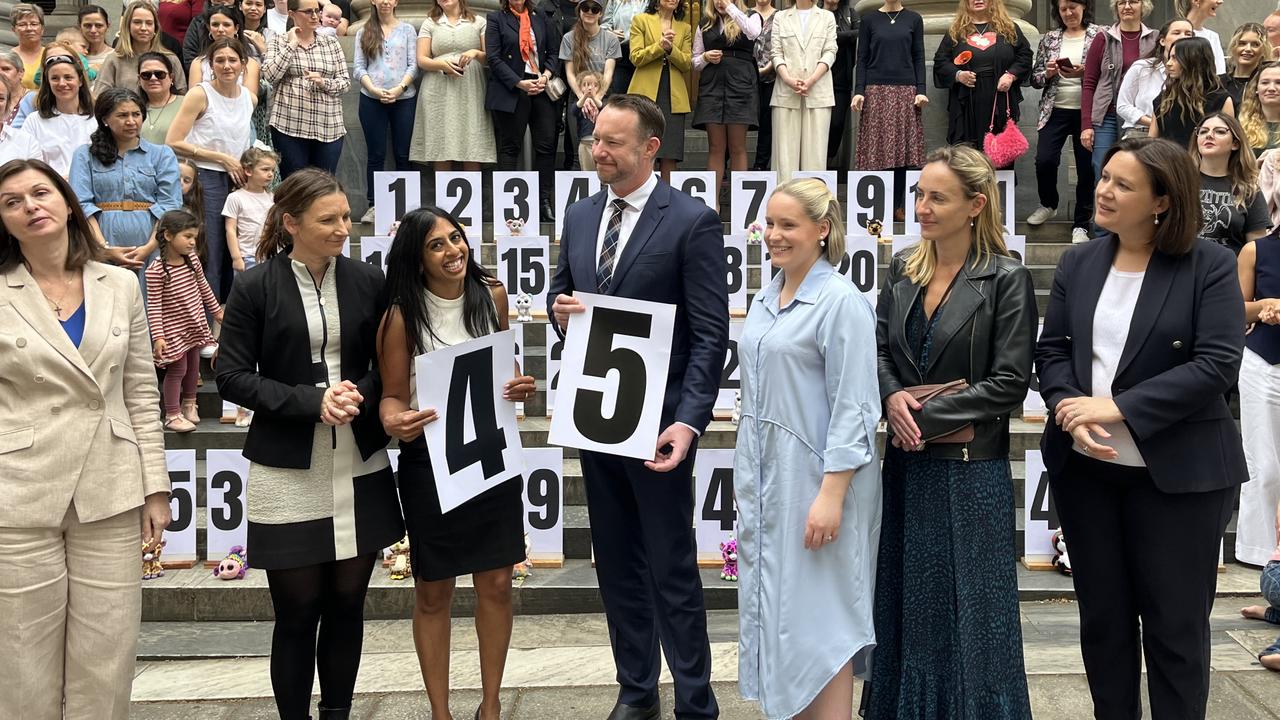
(102, 143)
(652, 8)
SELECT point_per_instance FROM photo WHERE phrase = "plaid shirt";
(302, 109)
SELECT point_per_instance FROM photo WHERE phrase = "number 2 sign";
(613, 376)
(475, 443)
(460, 195)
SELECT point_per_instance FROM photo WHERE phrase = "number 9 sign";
(870, 198)
(226, 494)
(613, 376)
(544, 504)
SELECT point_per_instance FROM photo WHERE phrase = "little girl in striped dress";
(178, 297)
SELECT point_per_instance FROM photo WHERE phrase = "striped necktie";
(609, 249)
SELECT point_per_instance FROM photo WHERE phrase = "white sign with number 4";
(474, 443)
(716, 513)
(613, 376)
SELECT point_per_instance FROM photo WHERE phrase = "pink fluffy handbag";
(1004, 149)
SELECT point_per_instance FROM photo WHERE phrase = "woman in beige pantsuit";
(803, 49)
(82, 468)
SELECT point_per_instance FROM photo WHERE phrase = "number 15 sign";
(474, 444)
(613, 375)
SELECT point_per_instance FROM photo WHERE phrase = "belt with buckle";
(126, 205)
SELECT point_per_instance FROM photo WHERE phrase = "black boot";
(548, 210)
(335, 713)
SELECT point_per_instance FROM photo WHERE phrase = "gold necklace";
(55, 304)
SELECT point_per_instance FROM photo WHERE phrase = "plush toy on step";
(524, 308)
(755, 233)
(736, 417)
(729, 551)
(1061, 561)
(233, 566)
(151, 567)
(524, 568)
(399, 567)
(875, 228)
(516, 227)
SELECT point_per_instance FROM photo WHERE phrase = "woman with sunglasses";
(123, 182)
(155, 74)
(309, 74)
(63, 119)
(587, 48)
(139, 34)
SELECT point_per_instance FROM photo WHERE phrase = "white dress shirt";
(1111, 319)
(18, 145)
(630, 216)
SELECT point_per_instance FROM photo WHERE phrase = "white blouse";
(59, 136)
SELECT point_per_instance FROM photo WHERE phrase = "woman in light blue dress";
(806, 473)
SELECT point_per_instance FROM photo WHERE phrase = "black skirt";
(727, 92)
(484, 533)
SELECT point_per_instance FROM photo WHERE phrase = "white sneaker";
(367, 217)
(1080, 235)
(207, 351)
(1041, 215)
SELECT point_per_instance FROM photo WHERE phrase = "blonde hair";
(69, 35)
(963, 26)
(124, 45)
(1250, 113)
(977, 177)
(1265, 49)
(730, 26)
(819, 205)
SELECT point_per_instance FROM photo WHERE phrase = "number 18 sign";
(474, 444)
(613, 375)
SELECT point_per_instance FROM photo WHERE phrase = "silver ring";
(829, 538)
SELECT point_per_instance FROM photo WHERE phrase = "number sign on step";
(544, 502)
(475, 443)
(374, 249)
(731, 374)
(461, 194)
(572, 186)
(613, 376)
(870, 198)
(394, 194)
(227, 496)
(735, 258)
(515, 197)
(180, 536)
(523, 267)
(749, 194)
(715, 513)
(1040, 518)
(698, 184)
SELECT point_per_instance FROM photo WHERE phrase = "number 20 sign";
(475, 443)
(613, 375)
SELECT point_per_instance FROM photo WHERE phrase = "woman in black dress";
(1192, 91)
(727, 98)
(296, 348)
(982, 61)
(440, 296)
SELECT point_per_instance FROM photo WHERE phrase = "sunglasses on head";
(153, 74)
(54, 60)
(589, 7)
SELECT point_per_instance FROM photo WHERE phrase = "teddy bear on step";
(729, 551)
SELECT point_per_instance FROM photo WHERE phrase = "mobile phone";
(1065, 63)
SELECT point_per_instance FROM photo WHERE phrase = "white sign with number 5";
(613, 376)
(394, 194)
(226, 492)
(180, 536)
(474, 443)
(716, 513)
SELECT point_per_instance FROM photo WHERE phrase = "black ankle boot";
(335, 713)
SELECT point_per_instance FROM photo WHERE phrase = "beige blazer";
(77, 425)
(801, 52)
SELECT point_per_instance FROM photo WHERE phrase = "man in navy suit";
(641, 239)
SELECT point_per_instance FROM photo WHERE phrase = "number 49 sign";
(613, 375)
(474, 444)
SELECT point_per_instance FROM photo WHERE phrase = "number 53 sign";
(474, 444)
(613, 375)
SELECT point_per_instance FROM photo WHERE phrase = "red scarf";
(526, 38)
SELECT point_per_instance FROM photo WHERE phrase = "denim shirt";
(147, 173)
(398, 60)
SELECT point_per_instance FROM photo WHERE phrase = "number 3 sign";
(474, 444)
(613, 375)
(227, 478)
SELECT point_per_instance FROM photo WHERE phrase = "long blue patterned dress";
(810, 404)
(948, 632)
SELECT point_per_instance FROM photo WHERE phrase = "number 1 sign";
(394, 194)
(613, 375)
(475, 443)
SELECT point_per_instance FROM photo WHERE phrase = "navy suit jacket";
(506, 64)
(1182, 355)
(674, 255)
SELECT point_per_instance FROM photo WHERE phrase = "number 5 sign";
(227, 478)
(180, 537)
(613, 375)
(474, 444)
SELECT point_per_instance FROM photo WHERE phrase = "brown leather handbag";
(924, 393)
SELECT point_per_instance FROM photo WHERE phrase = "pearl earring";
(1157, 219)
(822, 243)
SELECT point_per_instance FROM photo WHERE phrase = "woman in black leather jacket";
(955, 307)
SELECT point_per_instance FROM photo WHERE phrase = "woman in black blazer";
(517, 90)
(1143, 337)
(297, 348)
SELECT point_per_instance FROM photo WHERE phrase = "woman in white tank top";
(214, 128)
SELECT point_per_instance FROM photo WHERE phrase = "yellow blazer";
(77, 425)
(647, 55)
(801, 52)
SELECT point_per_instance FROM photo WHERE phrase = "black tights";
(330, 597)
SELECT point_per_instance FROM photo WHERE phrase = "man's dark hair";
(649, 119)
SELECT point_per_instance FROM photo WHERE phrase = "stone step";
(195, 595)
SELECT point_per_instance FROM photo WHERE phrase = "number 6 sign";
(613, 375)
(474, 444)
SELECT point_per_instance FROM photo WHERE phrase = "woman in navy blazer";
(1143, 336)
(517, 91)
